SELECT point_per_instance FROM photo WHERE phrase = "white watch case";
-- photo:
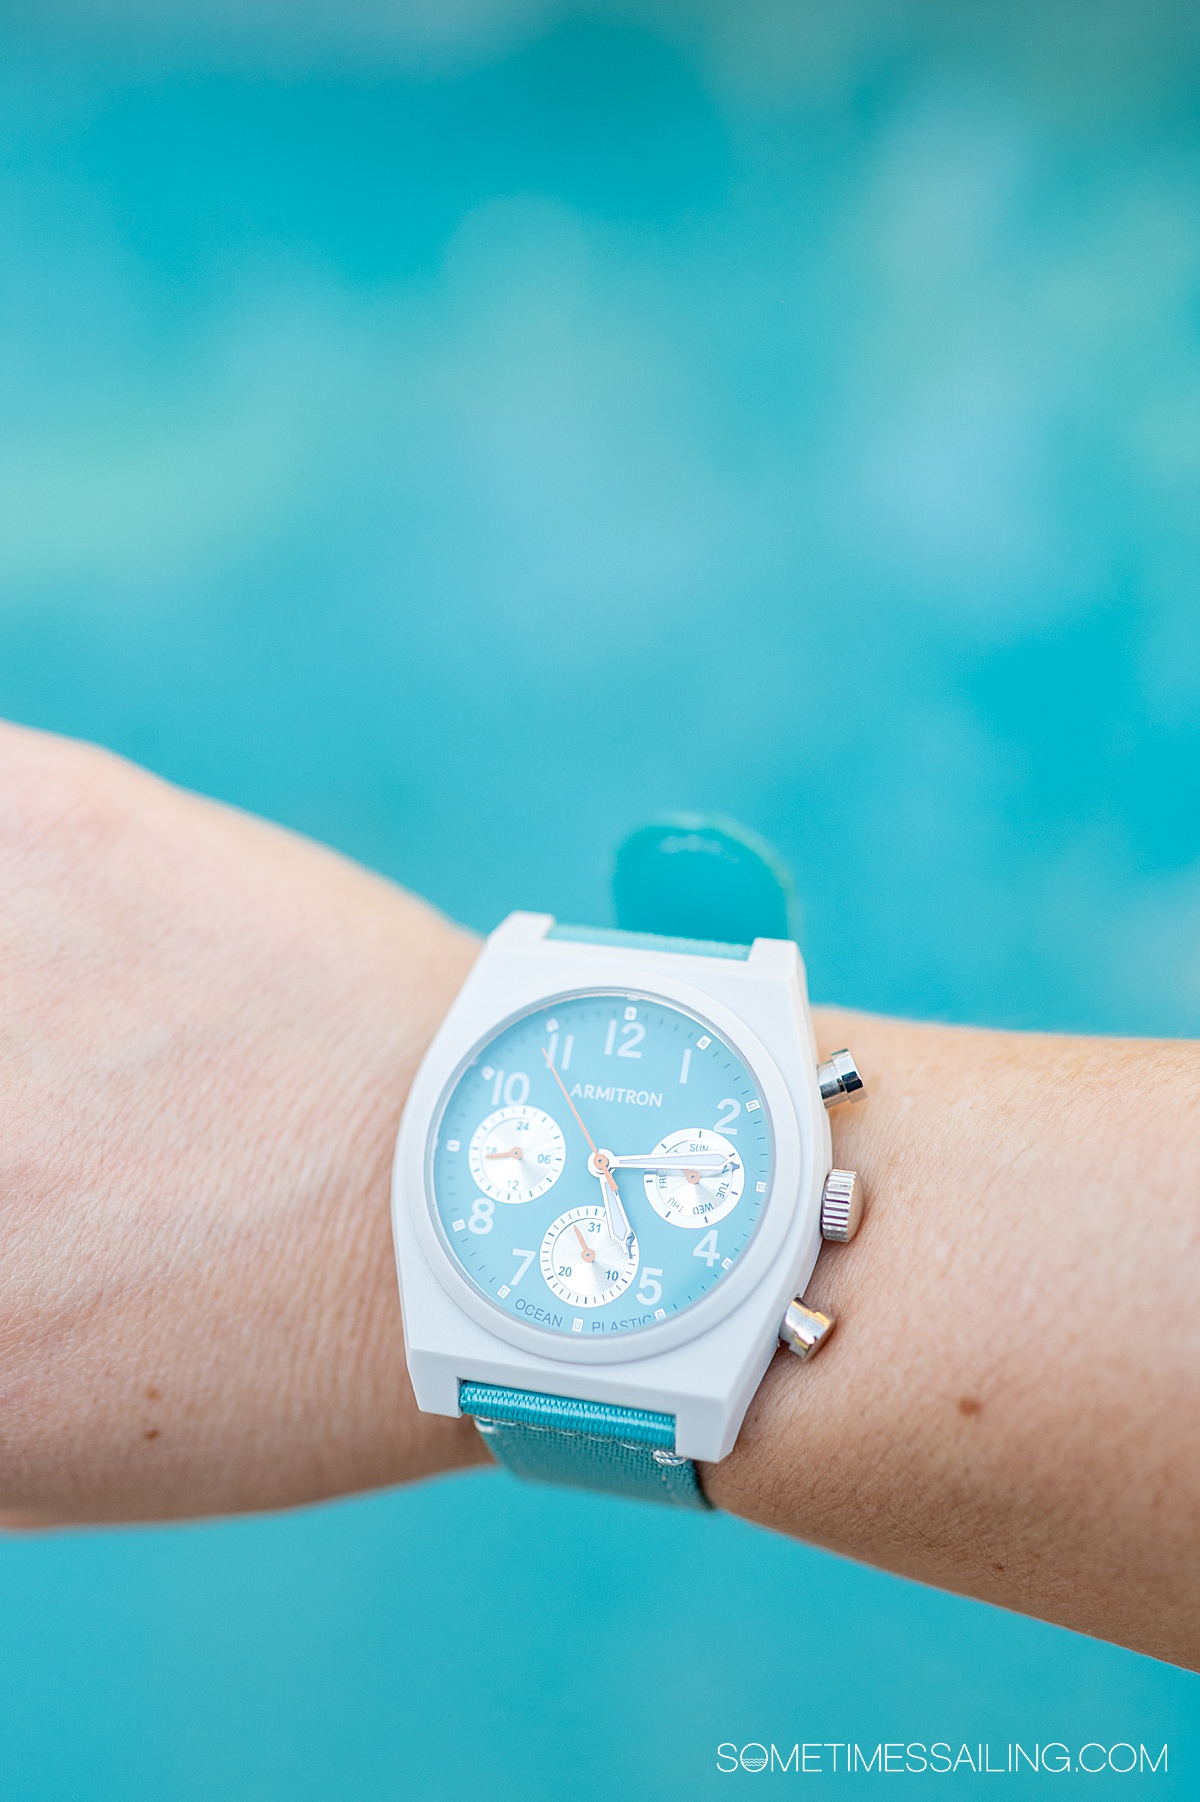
(704, 1366)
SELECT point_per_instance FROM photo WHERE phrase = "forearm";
(209, 1031)
(1009, 1407)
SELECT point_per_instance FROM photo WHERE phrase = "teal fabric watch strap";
(707, 879)
(584, 1445)
(691, 887)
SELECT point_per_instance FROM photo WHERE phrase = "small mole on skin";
(151, 1433)
(153, 1394)
(998, 1567)
(967, 1404)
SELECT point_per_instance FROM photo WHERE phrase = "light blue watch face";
(601, 1164)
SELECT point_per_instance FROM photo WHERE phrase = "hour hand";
(600, 1164)
(704, 1163)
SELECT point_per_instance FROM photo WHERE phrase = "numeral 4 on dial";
(707, 1249)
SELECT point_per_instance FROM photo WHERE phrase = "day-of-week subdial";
(581, 1261)
(700, 1194)
(517, 1154)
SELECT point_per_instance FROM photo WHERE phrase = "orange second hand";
(612, 1181)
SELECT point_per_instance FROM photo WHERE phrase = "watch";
(614, 1173)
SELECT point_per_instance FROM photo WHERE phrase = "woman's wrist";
(1009, 1404)
(363, 1428)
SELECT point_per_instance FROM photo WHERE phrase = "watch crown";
(839, 1079)
(842, 1201)
(804, 1330)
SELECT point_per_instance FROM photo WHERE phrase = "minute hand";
(705, 1163)
(618, 1221)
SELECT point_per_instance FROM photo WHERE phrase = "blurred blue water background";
(463, 430)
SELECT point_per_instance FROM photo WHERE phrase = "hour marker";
(683, 1068)
(551, 1025)
(631, 1013)
(460, 1226)
(487, 1073)
(726, 1263)
(577, 1325)
(568, 1047)
(502, 1290)
(762, 1188)
(751, 1107)
(704, 1043)
(660, 1313)
(453, 1145)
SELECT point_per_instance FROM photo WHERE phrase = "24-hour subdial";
(695, 1198)
(517, 1154)
(581, 1261)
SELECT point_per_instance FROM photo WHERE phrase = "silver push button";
(804, 1331)
(839, 1079)
(842, 1201)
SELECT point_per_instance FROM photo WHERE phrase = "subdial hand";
(618, 1220)
(589, 1256)
(514, 1153)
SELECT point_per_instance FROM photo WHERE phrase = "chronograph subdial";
(581, 1261)
(695, 1197)
(516, 1154)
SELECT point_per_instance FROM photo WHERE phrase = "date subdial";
(516, 1154)
(695, 1197)
(581, 1261)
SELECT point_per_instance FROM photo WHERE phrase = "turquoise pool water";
(461, 432)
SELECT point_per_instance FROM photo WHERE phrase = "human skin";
(208, 1028)
(1010, 1405)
